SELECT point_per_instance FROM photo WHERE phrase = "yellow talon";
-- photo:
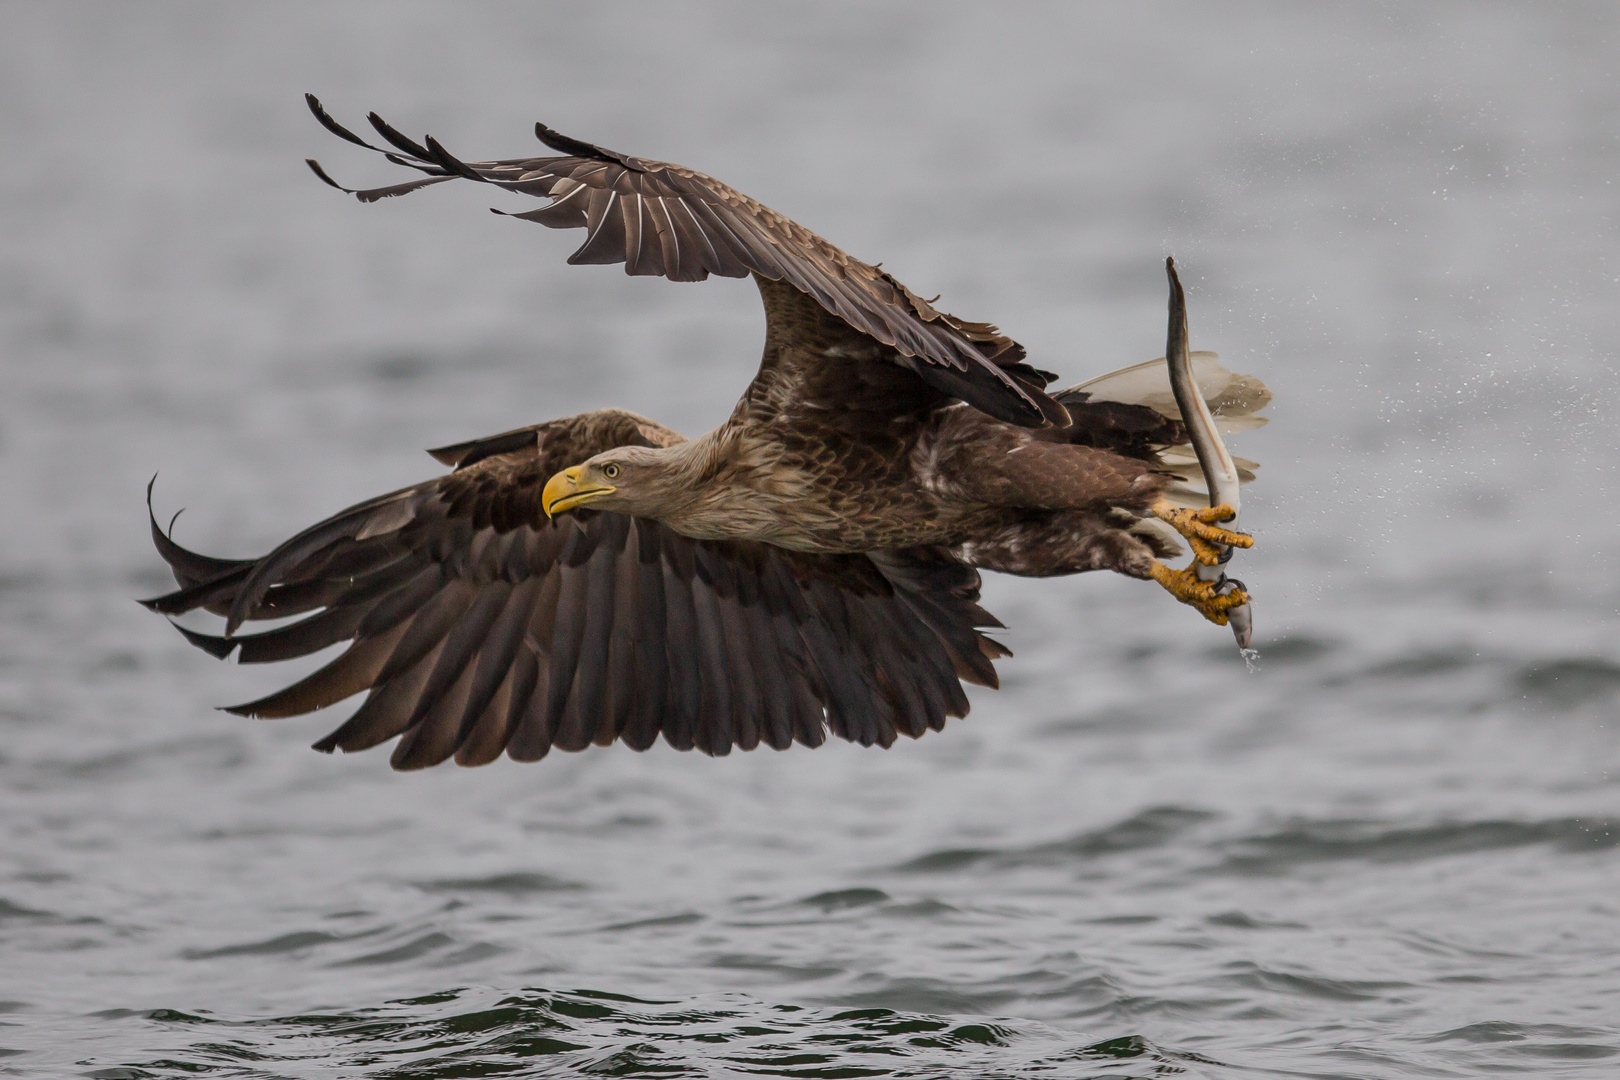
(1203, 535)
(1186, 586)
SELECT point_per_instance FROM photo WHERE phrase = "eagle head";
(629, 479)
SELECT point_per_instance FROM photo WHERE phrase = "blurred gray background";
(1403, 219)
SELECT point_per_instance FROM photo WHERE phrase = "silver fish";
(1217, 465)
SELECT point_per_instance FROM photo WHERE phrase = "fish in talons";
(1203, 584)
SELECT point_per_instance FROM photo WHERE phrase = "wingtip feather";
(332, 125)
(217, 647)
(315, 167)
(446, 160)
(396, 137)
(561, 143)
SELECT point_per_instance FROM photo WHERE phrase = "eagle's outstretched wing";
(479, 626)
(664, 219)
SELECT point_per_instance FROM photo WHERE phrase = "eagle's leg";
(1185, 585)
(1054, 544)
(1204, 536)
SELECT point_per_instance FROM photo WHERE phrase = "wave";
(547, 1033)
(1151, 828)
(1305, 841)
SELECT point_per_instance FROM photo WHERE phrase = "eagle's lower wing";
(479, 626)
(664, 219)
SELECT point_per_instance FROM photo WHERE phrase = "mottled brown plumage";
(835, 449)
(480, 625)
(809, 565)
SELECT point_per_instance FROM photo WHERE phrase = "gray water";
(1394, 851)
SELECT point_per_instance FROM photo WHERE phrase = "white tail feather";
(1233, 398)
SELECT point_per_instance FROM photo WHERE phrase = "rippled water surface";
(1392, 851)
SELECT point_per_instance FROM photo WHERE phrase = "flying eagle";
(811, 565)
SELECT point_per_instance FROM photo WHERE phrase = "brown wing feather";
(480, 626)
(663, 219)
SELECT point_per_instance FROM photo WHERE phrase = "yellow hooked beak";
(567, 490)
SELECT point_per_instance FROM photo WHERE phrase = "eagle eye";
(611, 471)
